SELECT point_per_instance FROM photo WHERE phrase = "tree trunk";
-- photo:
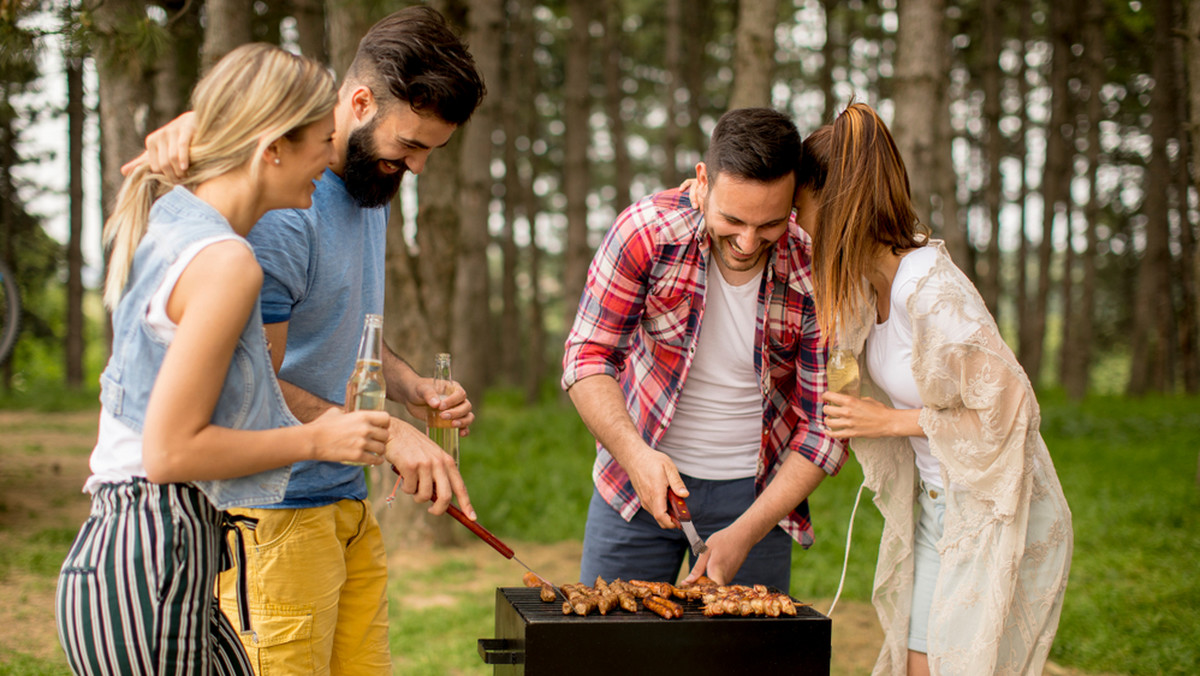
(1067, 291)
(228, 24)
(835, 36)
(1077, 357)
(125, 94)
(535, 369)
(76, 118)
(754, 55)
(575, 163)
(1151, 327)
(698, 26)
(1054, 182)
(510, 342)
(1189, 321)
(1021, 288)
(472, 293)
(673, 68)
(920, 41)
(613, 97)
(310, 28)
(989, 276)
(178, 70)
(945, 178)
(348, 22)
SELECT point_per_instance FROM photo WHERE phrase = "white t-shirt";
(889, 354)
(117, 456)
(717, 427)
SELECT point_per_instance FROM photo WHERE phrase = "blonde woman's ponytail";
(253, 96)
(126, 226)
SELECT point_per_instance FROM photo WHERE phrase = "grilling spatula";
(482, 533)
(678, 510)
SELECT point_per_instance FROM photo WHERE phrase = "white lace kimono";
(1007, 540)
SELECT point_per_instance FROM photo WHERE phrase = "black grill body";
(535, 639)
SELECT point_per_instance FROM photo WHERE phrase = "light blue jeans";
(927, 564)
(642, 550)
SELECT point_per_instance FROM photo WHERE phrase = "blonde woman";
(977, 537)
(193, 421)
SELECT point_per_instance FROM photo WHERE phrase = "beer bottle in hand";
(842, 372)
(442, 431)
(366, 390)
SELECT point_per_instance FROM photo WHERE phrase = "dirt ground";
(43, 464)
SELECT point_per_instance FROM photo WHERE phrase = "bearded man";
(315, 562)
(697, 363)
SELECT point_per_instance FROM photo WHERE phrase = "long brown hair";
(865, 208)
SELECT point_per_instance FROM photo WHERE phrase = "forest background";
(1051, 144)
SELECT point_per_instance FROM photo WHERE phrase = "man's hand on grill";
(651, 472)
(727, 551)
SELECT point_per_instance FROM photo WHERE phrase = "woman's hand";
(360, 436)
(848, 417)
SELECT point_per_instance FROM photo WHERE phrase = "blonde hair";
(255, 95)
(865, 209)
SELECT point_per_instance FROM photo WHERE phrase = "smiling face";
(302, 159)
(387, 143)
(744, 219)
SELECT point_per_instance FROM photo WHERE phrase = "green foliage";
(529, 467)
(38, 359)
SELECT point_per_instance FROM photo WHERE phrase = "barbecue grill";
(534, 638)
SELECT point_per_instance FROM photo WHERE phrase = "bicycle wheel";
(10, 312)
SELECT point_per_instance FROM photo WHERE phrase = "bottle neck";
(370, 347)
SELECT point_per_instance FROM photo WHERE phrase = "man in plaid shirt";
(696, 362)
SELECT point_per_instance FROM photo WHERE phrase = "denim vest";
(250, 398)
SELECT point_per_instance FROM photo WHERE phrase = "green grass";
(18, 664)
(530, 466)
(1128, 468)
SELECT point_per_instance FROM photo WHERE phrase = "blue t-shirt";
(323, 271)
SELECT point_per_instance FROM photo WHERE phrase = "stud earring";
(276, 161)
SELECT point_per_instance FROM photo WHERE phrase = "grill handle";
(502, 651)
(483, 533)
(479, 531)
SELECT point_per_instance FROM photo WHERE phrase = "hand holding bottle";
(450, 405)
(359, 437)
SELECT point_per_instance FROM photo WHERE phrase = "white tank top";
(717, 427)
(117, 456)
(889, 354)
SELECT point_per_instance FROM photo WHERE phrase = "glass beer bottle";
(842, 372)
(442, 431)
(366, 390)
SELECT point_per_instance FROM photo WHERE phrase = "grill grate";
(529, 605)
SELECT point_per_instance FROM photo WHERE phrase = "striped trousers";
(135, 595)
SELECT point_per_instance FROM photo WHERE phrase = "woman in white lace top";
(977, 539)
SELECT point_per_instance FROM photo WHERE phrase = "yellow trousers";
(317, 581)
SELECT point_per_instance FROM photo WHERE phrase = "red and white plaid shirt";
(638, 321)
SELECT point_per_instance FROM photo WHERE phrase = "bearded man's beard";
(368, 185)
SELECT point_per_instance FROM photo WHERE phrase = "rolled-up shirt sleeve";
(282, 244)
(612, 302)
(812, 439)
